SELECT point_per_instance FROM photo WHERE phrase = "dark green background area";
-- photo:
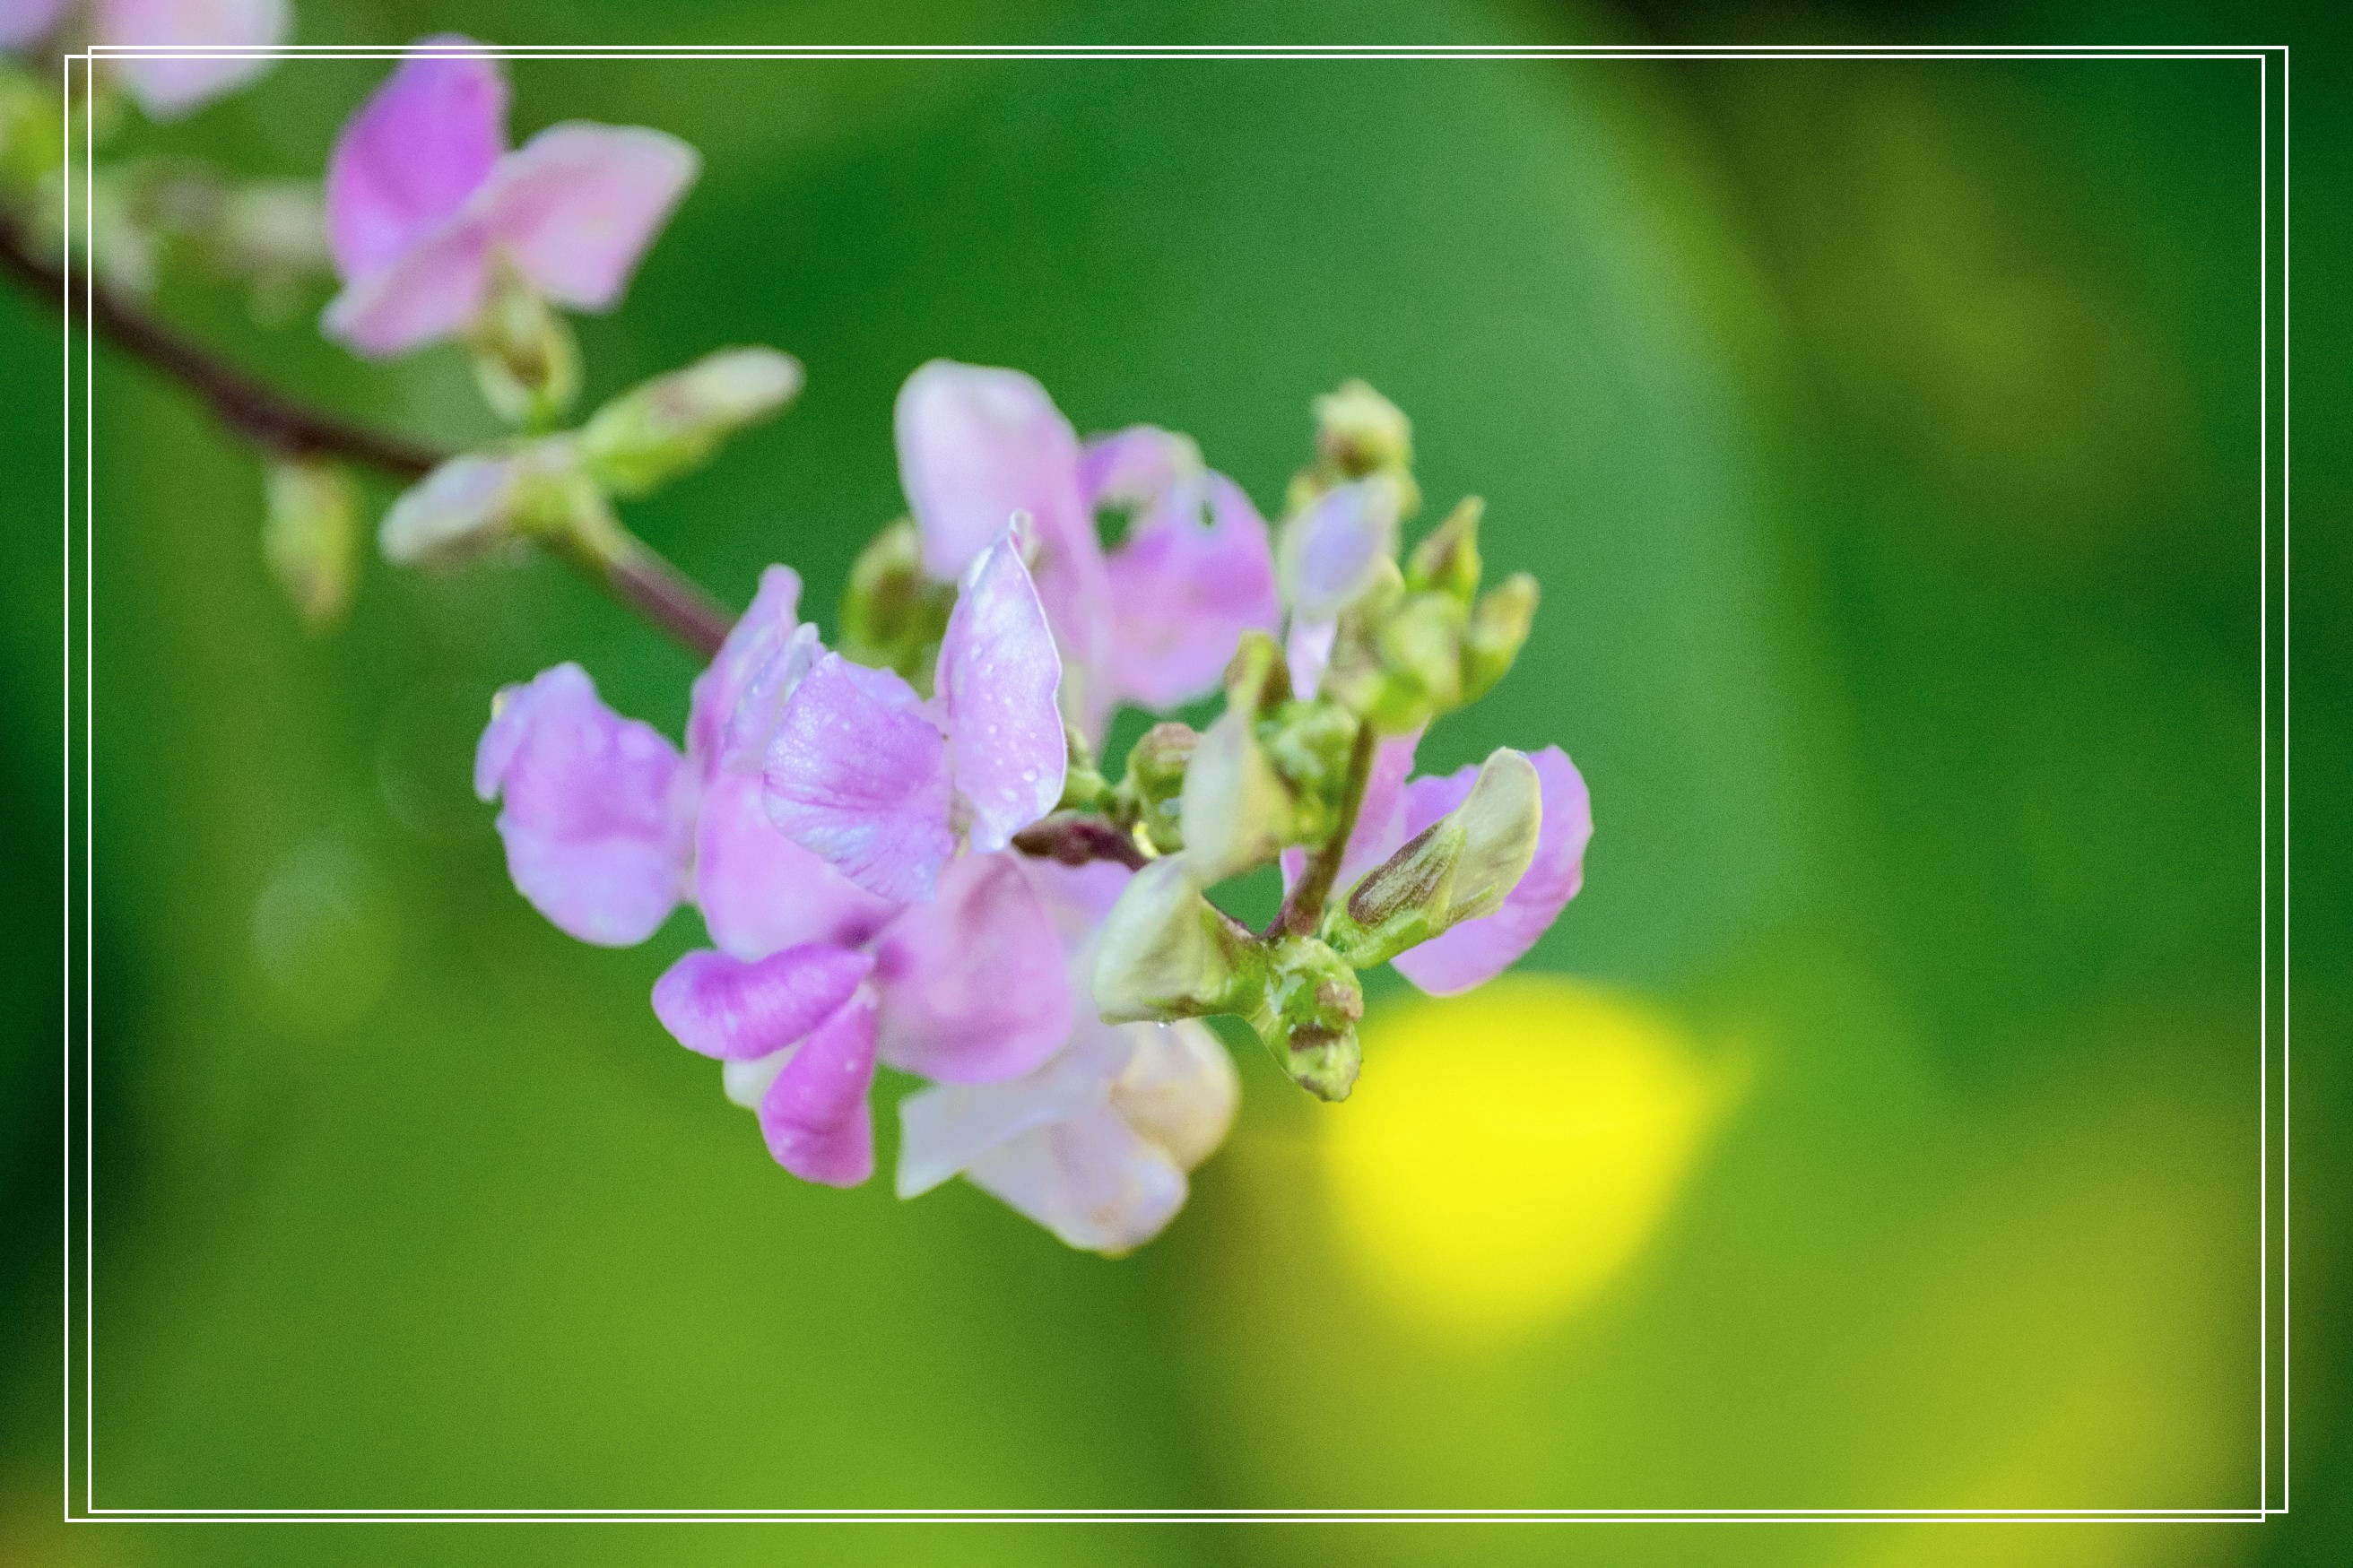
(1884, 435)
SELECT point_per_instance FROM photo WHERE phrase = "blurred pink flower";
(165, 87)
(425, 201)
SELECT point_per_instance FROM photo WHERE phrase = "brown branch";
(264, 417)
(1073, 840)
(252, 408)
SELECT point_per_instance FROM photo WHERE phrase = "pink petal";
(169, 88)
(976, 445)
(857, 777)
(814, 1115)
(408, 161)
(428, 292)
(26, 22)
(1093, 1181)
(1182, 594)
(1074, 586)
(1477, 951)
(577, 204)
(1331, 551)
(737, 1011)
(597, 809)
(998, 674)
(944, 1129)
(1380, 827)
(1307, 649)
(757, 636)
(758, 890)
(974, 985)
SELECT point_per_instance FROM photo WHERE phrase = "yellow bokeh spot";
(1507, 1152)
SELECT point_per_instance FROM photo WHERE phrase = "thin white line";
(1162, 52)
(2287, 800)
(2263, 771)
(1181, 52)
(90, 790)
(65, 666)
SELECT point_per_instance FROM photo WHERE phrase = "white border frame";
(80, 1076)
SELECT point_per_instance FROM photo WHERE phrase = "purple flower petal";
(998, 674)
(758, 890)
(1477, 951)
(1182, 594)
(427, 292)
(597, 811)
(736, 1012)
(1093, 1181)
(166, 89)
(944, 1129)
(1074, 586)
(975, 987)
(758, 636)
(814, 1115)
(577, 206)
(858, 777)
(976, 445)
(407, 162)
(26, 22)
(1331, 551)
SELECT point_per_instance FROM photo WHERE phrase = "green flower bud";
(525, 360)
(1309, 744)
(1083, 786)
(1457, 868)
(1358, 432)
(1447, 560)
(1167, 952)
(1152, 794)
(661, 428)
(1421, 641)
(1234, 811)
(475, 502)
(1497, 631)
(310, 536)
(893, 616)
(1308, 1016)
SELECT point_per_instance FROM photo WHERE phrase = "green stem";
(1303, 909)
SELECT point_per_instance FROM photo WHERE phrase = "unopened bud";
(894, 615)
(310, 535)
(1234, 811)
(661, 428)
(1168, 953)
(1310, 744)
(1498, 629)
(1421, 640)
(1332, 553)
(525, 360)
(1447, 560)
(1153, 788)
(1457, 868)
(1308, 1017)
(475, 502)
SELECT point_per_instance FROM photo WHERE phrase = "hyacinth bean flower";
(1155, 620)
(426, 204)
(877, 782)
(165, 89)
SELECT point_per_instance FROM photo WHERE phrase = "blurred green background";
(1884, 436)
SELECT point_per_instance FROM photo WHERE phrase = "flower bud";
(1498, 628)
(1153, 788)
(525, 360)
(1358, 432)
(661, 428)
(1457, 868)
(1168, 953)
(1234, 811)
(1421, 640)
(1339, 549)
(1308, 1016)
(893, 613)
(1447, 560)
(309, 534)
(1310, 744)
(475, 502)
